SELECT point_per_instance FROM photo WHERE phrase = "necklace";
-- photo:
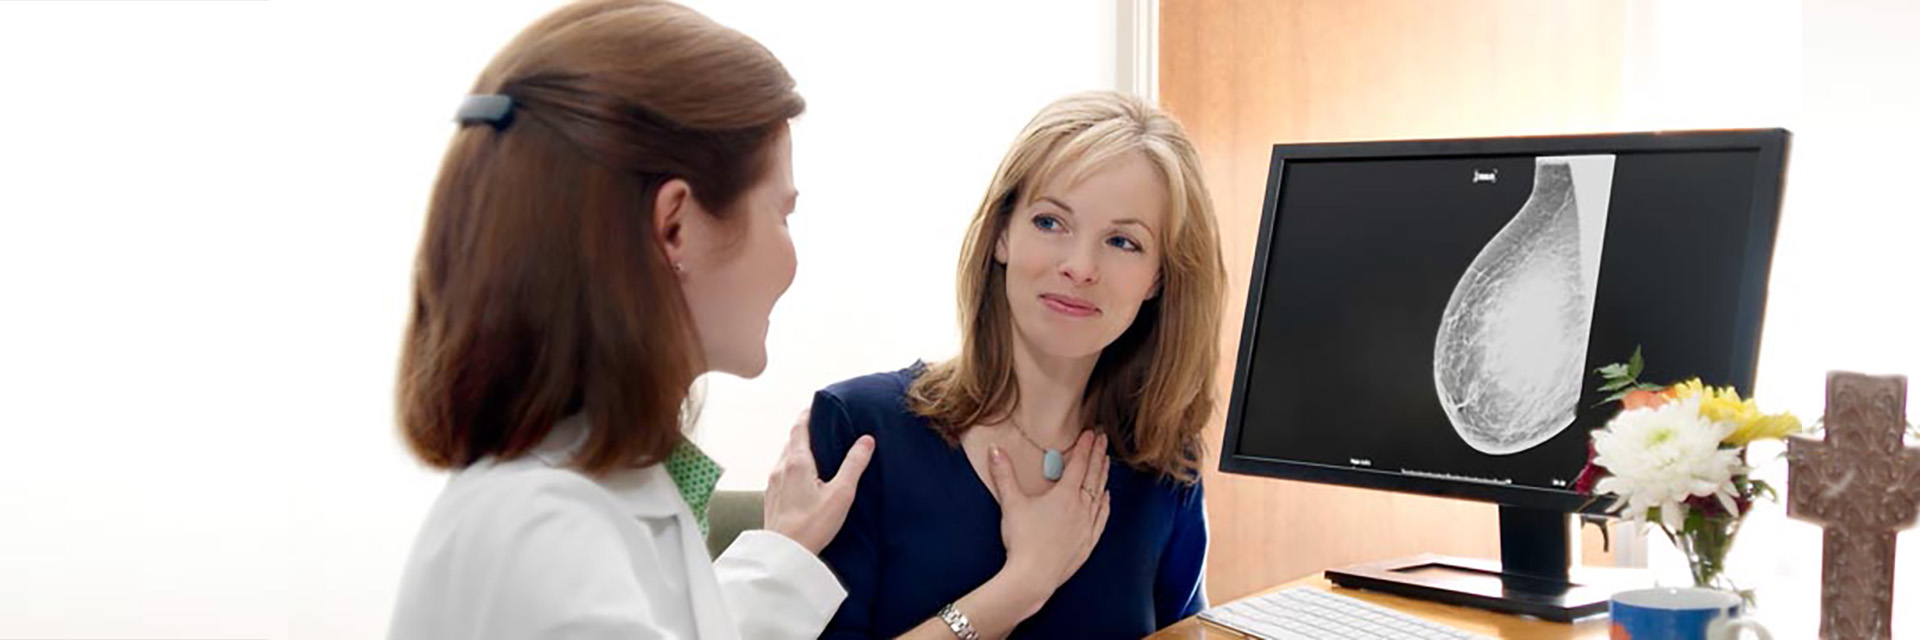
(1052, 463)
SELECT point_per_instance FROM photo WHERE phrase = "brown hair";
(539, 290)
(1153, 388)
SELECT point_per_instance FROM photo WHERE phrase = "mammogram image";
(1510, 354)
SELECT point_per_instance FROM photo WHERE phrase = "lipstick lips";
(1069, 305)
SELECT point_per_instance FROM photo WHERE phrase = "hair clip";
(493, 108)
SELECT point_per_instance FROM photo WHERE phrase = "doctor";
(609, 223)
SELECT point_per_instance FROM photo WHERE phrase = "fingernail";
(993, 452)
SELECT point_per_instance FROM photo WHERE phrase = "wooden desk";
(1486, 623)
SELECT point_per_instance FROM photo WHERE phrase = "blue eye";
(1045, 222)
(1124, 243)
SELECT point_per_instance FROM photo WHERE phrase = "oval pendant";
(1053, 465)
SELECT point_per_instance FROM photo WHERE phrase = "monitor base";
(1481, 584)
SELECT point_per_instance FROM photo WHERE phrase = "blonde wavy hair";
(1153, 389)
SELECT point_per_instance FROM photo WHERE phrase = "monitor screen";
(1427, 316)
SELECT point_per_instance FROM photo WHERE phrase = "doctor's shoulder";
(492, 507)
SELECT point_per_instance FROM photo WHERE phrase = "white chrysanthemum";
(1659, 457)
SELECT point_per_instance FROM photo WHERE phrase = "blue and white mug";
(1679, 614)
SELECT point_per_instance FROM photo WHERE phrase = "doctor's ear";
(679, 222)
(1000, 249)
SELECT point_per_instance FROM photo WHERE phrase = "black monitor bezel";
(1769, 182)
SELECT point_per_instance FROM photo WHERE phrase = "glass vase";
(1704, 540)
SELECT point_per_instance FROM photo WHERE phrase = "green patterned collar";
(695, 475)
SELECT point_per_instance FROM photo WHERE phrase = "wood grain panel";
(1243, 75)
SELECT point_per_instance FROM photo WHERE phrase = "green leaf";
(1616, 385)
(1634, 363)
(1693, 521)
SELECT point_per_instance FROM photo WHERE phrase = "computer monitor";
(1426, 317)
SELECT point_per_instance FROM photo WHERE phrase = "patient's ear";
(1000, 248)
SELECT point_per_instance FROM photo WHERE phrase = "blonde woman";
(1044, 482)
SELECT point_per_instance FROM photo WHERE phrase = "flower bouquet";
(1676, 457)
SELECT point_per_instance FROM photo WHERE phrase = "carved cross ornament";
(1861, 483)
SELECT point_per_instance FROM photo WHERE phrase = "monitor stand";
(1532, 578)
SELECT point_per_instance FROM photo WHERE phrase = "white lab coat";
(529, 548)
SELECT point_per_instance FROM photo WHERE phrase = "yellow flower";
(1723, 404)
(1771, 427)
(1686, 389)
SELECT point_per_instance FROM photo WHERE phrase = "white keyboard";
(1306, 613)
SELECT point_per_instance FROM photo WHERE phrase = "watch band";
(958, 624)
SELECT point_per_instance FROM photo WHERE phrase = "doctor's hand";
(799, 505)
(1050, 535)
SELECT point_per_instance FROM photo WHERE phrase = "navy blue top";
(924, 531)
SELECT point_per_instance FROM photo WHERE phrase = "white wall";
(207, 217)
(1845, 273)
(1840, 75)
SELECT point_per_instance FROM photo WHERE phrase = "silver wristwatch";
(957, 622)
